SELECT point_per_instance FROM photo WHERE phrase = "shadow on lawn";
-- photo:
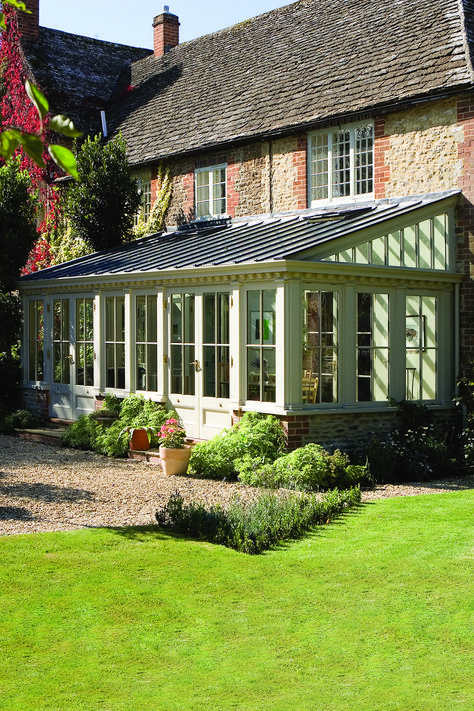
(142, 534)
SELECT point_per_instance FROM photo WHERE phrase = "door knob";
(197, 367)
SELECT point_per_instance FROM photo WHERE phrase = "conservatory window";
(320, 347)
(372, 347)
(35, 340)
(115, 341)
(210, 191)
(341, 163)
(183, 346)
(61, 360)
(146, 337)
(261, 356)
(421, 347)
(84, 341)
(216, 360)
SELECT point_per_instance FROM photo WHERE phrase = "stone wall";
(418, 151)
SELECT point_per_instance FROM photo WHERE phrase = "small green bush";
(82, 434)
(253, 528)
(256, 435)
(133, 411)
(20, 419)
(308, 468)
(415, 455)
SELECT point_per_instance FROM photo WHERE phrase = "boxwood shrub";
(253, 528)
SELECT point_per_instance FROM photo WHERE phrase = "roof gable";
(292, 68)
(78, 74)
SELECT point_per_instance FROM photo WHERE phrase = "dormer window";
(210, 191)
(341, 163)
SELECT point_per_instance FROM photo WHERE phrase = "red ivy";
(40, 257)
(16, 110)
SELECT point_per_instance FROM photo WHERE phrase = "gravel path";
(50, 488)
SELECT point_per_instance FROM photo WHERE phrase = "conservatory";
(321, 312)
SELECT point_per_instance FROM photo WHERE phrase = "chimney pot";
(165, 32)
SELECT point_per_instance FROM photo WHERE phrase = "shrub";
(408, 456)
(133, 411)
(253, 528)
(308, 468)
(82, 434)
(256, 435)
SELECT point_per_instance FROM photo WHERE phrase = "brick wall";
(36, 401)
(249, 191)
(465, 225)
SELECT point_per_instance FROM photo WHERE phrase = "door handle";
(197, 367)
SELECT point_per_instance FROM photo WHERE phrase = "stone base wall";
(352, 432)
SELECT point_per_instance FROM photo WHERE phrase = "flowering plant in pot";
(174, 454)
(138, 437)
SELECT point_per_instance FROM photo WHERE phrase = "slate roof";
(264, 239)
(292, 68)
(78, 74)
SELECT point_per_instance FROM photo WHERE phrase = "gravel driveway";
(51, 488)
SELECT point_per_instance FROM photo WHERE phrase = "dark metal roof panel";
(258, 240)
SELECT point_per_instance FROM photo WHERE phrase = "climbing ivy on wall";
(26, 124)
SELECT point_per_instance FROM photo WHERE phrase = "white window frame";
(212, 200)
(144, 187)
(328, 133)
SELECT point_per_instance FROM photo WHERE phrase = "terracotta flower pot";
(174, 461)
(139, 440)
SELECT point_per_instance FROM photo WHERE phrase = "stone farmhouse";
(318, 248)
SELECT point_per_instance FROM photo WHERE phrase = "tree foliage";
(17, 222)
(17, 234)
(102, 203)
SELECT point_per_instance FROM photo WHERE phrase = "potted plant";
(174, 454)
(138, 437)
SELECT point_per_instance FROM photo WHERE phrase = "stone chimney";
(28, 24)
(165, 32)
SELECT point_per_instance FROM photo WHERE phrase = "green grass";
(375, 611)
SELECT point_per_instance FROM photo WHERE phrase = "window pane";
(152, 319)
(268, 317)
(253, 373)
(152, 365)
(253, 317)
(209, 317)
(141, 366)
(141, 319)
(109, 318)
(189, 370)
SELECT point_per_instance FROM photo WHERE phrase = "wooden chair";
(310, 386)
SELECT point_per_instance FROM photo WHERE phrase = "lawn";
(375, 611)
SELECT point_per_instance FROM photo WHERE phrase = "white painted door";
(199, 361)
(72, 358)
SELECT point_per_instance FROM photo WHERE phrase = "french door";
(199, 360)
(72, 357)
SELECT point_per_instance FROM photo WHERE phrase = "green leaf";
(3, 24)
(33, 147)
(65, 159)
(62, 124)
(38, 98)
(9, 142)
(17, 4)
